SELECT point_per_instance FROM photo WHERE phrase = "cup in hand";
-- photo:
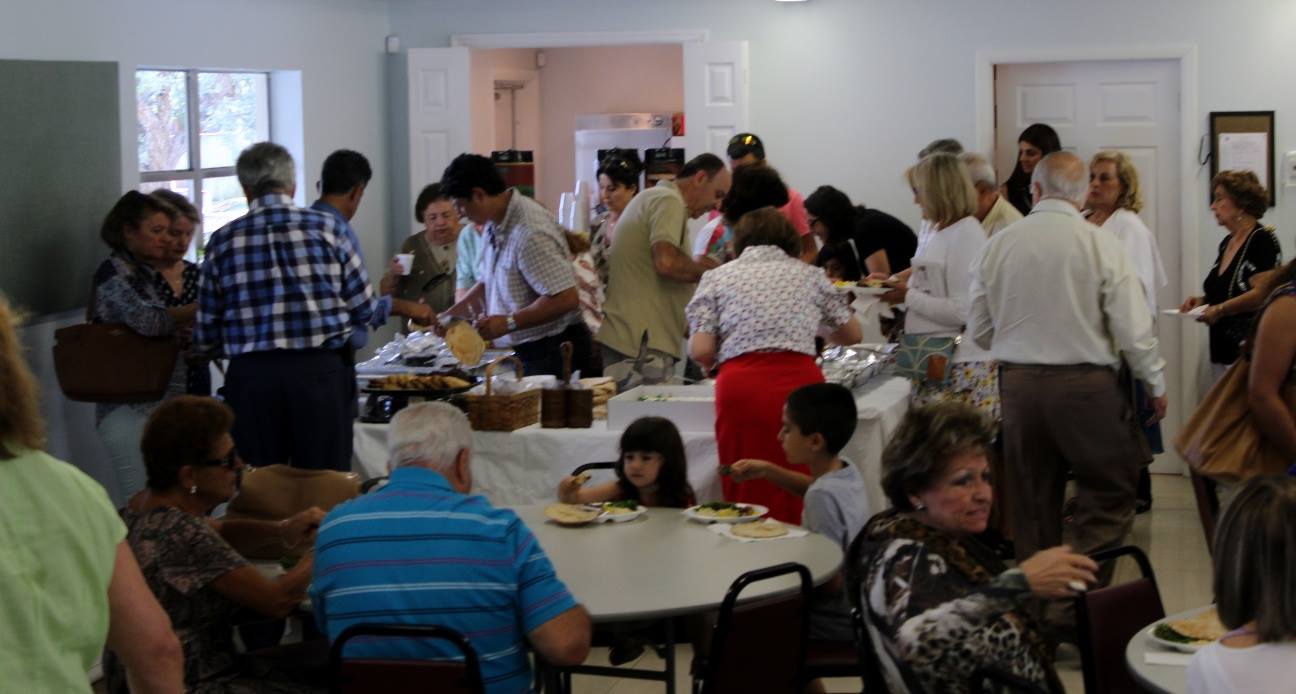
(406, 261)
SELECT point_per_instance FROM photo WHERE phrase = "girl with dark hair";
(652, 470)
(1036, 142)
(754, 186)
(129, 290)
(879, 242)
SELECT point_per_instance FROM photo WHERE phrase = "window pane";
(183, 187)
(161, 108)
(234, 112)
(223, 202)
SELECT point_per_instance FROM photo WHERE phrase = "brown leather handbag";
(1221, 440)
(110, 363)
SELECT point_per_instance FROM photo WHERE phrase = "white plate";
(605, 517)
(761, 512)
(862, 290)
(1184, 314)
(1174, 645)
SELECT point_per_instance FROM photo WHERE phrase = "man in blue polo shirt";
(422, 551)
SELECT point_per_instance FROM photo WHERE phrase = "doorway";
(1132, 106)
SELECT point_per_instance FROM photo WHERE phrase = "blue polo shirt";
(418, 552)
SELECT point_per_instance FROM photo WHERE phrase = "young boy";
(818, 421)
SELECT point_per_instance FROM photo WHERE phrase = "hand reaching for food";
(570, 486)
(749, 469)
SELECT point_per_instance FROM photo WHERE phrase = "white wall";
(847, 92)
(336, 44)
(579, 81)
(491, 65)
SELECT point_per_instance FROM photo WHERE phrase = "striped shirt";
(417, 552)
(280, 277)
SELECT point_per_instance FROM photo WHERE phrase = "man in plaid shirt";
(280, 292)
(526, 298)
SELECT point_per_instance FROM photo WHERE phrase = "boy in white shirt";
(818, 422)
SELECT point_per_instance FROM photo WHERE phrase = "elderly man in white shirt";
(993, 210)
(1058, 304)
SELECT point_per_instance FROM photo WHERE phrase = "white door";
(1131, 106)
(440, 113)
(716, 95)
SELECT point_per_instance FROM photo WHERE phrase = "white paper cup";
(406, 261)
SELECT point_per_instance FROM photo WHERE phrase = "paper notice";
(1245, 152)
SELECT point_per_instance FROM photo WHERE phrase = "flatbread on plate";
(570, 514)
(1203, 626)
(763, 530)
(464, 343)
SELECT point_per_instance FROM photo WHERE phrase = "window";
(191, 127)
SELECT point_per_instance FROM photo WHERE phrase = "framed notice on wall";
(1244, 141)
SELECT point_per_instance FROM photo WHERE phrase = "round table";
(1165, 679)
(664, 565)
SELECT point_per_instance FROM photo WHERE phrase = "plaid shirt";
(280, 277)
(523, 258)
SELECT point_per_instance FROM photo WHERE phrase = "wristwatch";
(509, 324)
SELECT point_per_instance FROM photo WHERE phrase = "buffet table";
(524, 466)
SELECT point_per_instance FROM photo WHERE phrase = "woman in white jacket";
(935, 296)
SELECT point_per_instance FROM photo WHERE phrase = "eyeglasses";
(229, 462)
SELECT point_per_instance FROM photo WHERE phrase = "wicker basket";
(491, 412)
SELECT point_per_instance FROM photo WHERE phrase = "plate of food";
(863, 287)
(767, 529)
(421, 384)
(619, 511)
(571, 514)
(1189, 631)
(725, 512)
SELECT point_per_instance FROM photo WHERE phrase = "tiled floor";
(1171, 534)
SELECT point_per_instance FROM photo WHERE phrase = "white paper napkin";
(726, 530)
(1167, 658)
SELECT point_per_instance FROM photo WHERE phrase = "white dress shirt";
(937, 302)
(1054, 289)
(1143, 252)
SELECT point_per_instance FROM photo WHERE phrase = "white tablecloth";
(524, 466)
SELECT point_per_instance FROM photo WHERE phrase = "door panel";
(440, 123)
(716, 95)
(1131, 106)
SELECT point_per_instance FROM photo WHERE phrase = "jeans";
(121, 431)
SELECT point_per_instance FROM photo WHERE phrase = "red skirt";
(750, 392)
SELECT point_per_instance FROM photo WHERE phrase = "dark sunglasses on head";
(746, 140)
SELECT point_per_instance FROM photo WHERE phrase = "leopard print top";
(938, 608)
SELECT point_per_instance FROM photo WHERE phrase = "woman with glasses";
(431, 278)
(194, 564)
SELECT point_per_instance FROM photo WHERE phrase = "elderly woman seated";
(1255, 570)
(938, 604)
(193, 564)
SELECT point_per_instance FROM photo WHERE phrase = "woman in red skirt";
(756, 319)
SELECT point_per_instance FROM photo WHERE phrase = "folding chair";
(1107, 618)
(760, 646)
(362, 675)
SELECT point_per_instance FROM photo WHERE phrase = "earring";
(920, 506)
(193, 489)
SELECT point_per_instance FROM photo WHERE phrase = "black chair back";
(996, 681)
(759, 646)
(359, 675)
(1107, 618)
(593, 466)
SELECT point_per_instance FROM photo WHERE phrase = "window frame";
(195, 174)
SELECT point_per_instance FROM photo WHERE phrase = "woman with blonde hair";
(70, 580)
(936, 294)
(1114, 203)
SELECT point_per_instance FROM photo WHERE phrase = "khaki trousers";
(1060, 418)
